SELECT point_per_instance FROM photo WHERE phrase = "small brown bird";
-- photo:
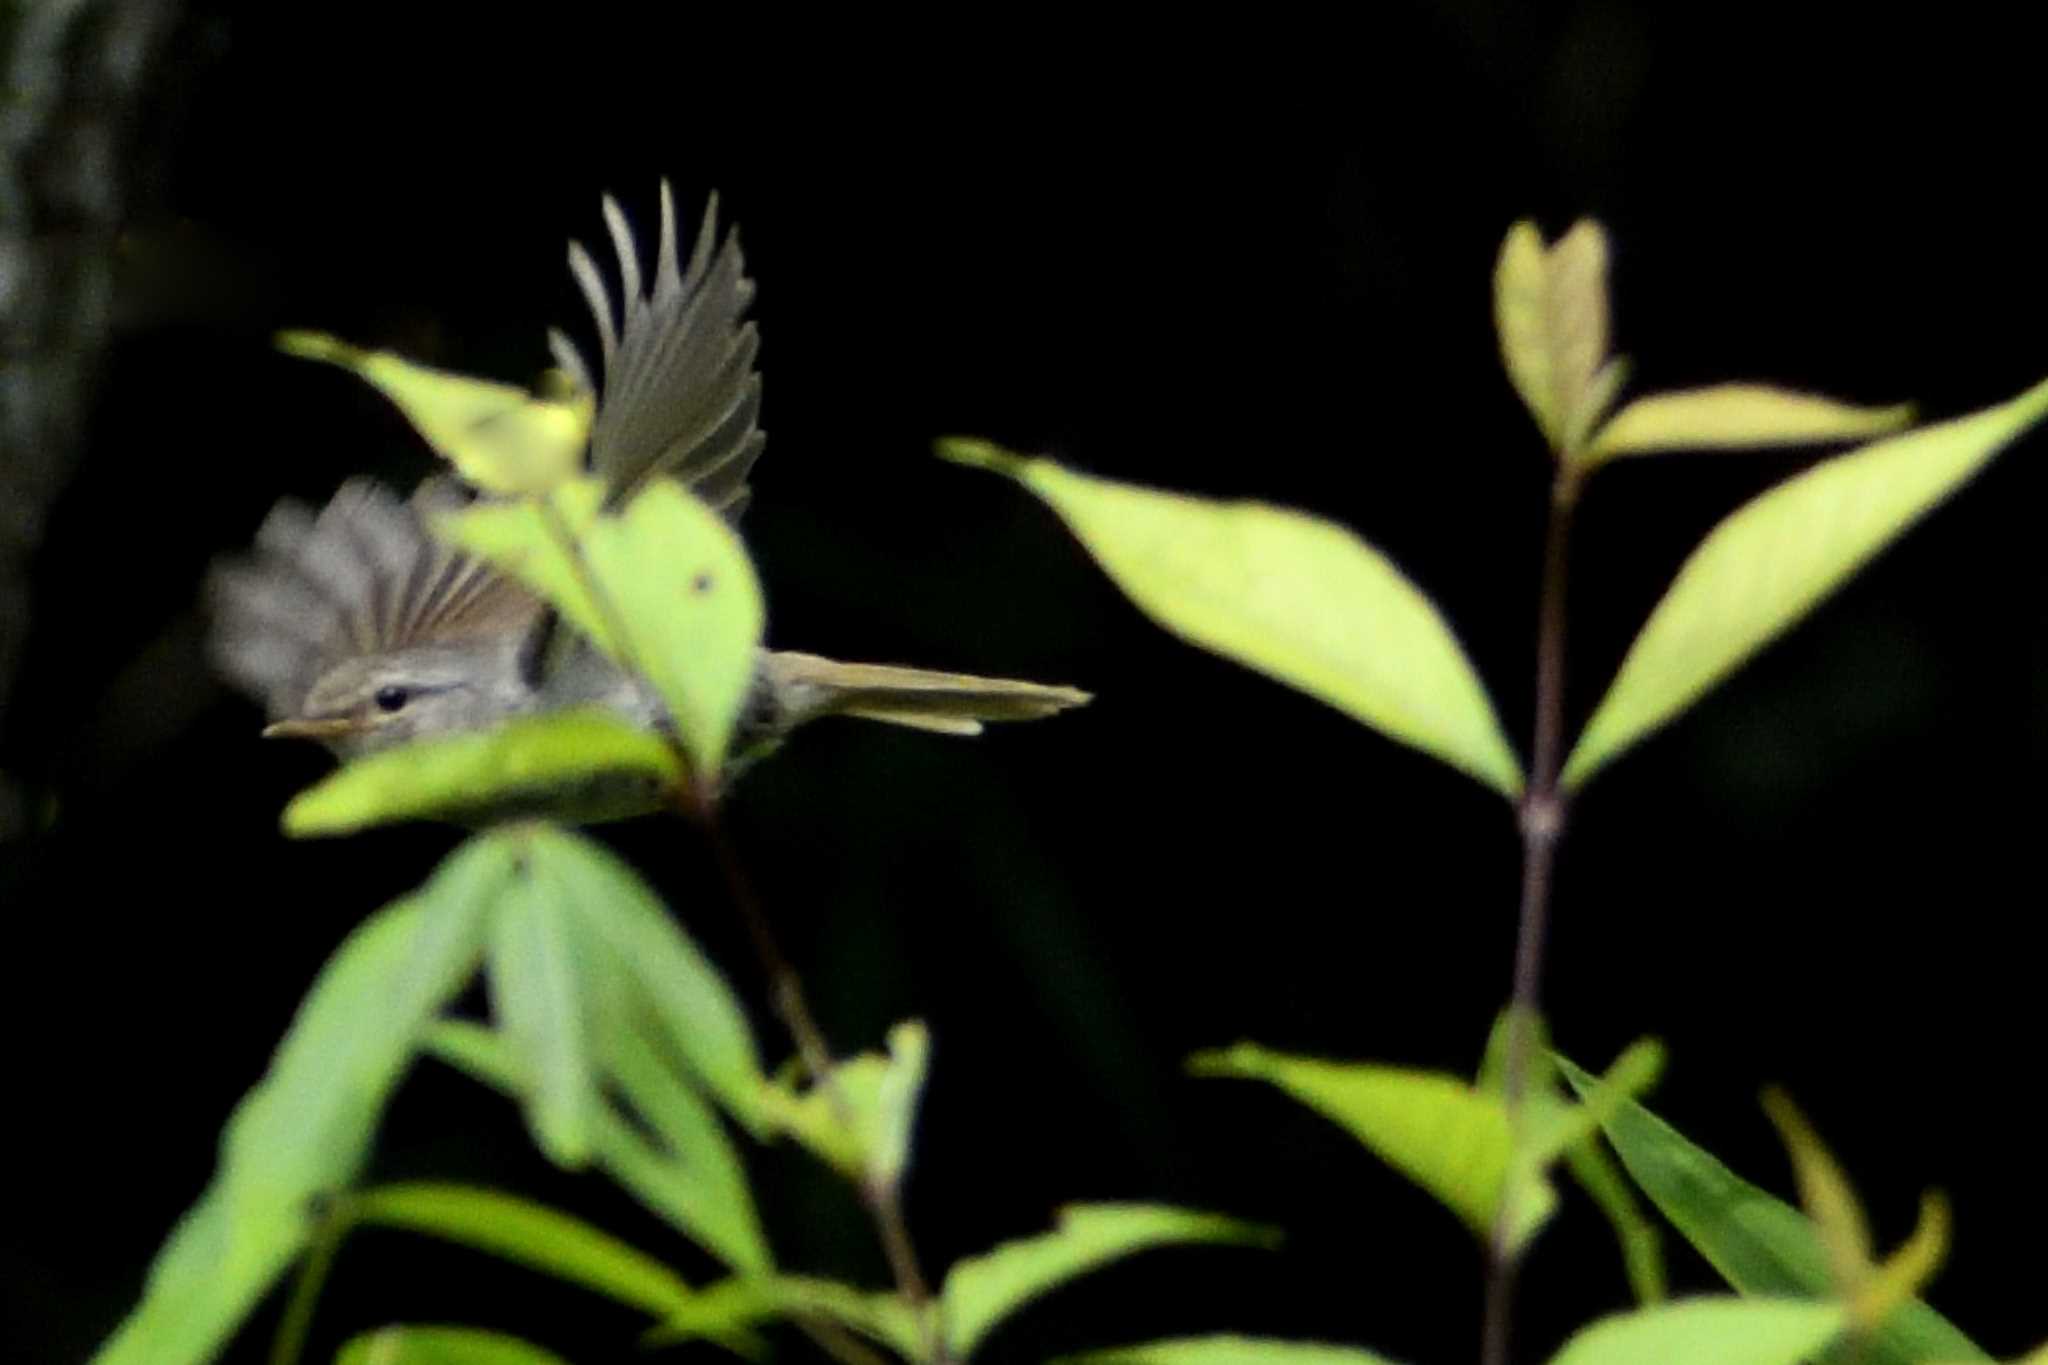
(357, 628)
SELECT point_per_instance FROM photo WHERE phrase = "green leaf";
(670, 1183)
(1642, 1244)
(733, 1305)
(664, 587)
(1228, 1350)
(1440, 1131)
(1767, 565)
(1551, 313)
(582, 764)
(871, 1142)
(442, 1346)
(699, 1018)
(531, 1235)
(305, 1129)
(1758, 1243)
(1738, 417)
(1297, 598)
(980, 1291)
(1708, 1331)
(499, 438)
(539, 989)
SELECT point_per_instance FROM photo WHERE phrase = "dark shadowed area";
(1244, 263)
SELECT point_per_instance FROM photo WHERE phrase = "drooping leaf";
(500, 438)
(870, 1142)
(675, 1185)
(1708, 1331)
(1642, 1244)
(1759, 1244)
(305, 1129)
(539, 989)
(1228, 1350)
(1550, 310)
(530, 1234)
(580, 764)
(664, 586)
(1773, 560)
(442, 1346)
(980, 1291)
(1447, 1135)
(700, 1019)
(1297, 598)
(1738, 417)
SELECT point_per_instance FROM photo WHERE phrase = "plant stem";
(296, 1324)
(1541, 817)
(883, 1198)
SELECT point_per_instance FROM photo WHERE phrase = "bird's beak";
(312, 727)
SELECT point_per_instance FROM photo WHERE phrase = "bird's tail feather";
(946, 703)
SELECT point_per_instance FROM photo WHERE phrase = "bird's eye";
(391, 698)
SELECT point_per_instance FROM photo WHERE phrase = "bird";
(354, 626)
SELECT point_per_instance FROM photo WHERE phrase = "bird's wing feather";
(677, 391)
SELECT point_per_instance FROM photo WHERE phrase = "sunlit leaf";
(1447, 1135)
(305, 1129)
(530, 1234)
(1708, 1331)
(664, 586)
(539, 989)
(1551, 313)
(1767, 565)
(1228, 1350)
(672, 1184)
(980, 1291)
(1738, 417)
(700, 1019)
(582, 764)
(870, 1141)
(1297, 598)
(499, 438)
(1760, 1244)
(442, 1346)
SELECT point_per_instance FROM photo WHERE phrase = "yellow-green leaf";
(583, 764)
(1767, 565)
(663, 586)
(1738, 417)
(1447, 1135)
(1300, 599)
(1550, 310)
(500, 438)
(1708, 1331)
(540, 988)
(870, 1142)
(441, 1346)
(980, 1291)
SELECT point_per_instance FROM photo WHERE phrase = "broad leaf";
(1297, 598)
(1771, 562)
(1709, 1331)
(664, 587)
(442, 1346)
(305, 1129)
(540, 984)
(1551, 313)
(499, 438)
(530, 1234)
(1738, 417)
(1758, 1243)
(980, 1291)
(1447, 1135)
(698, 1202)
(582, 764)
(870, 1142)
(1228, 1350)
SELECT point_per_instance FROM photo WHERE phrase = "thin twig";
(1541, 816)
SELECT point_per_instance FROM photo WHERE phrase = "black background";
(1243, 261)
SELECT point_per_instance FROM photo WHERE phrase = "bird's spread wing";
(363, 577)
(678, 393)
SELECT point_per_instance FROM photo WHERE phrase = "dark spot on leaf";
(701, 583)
